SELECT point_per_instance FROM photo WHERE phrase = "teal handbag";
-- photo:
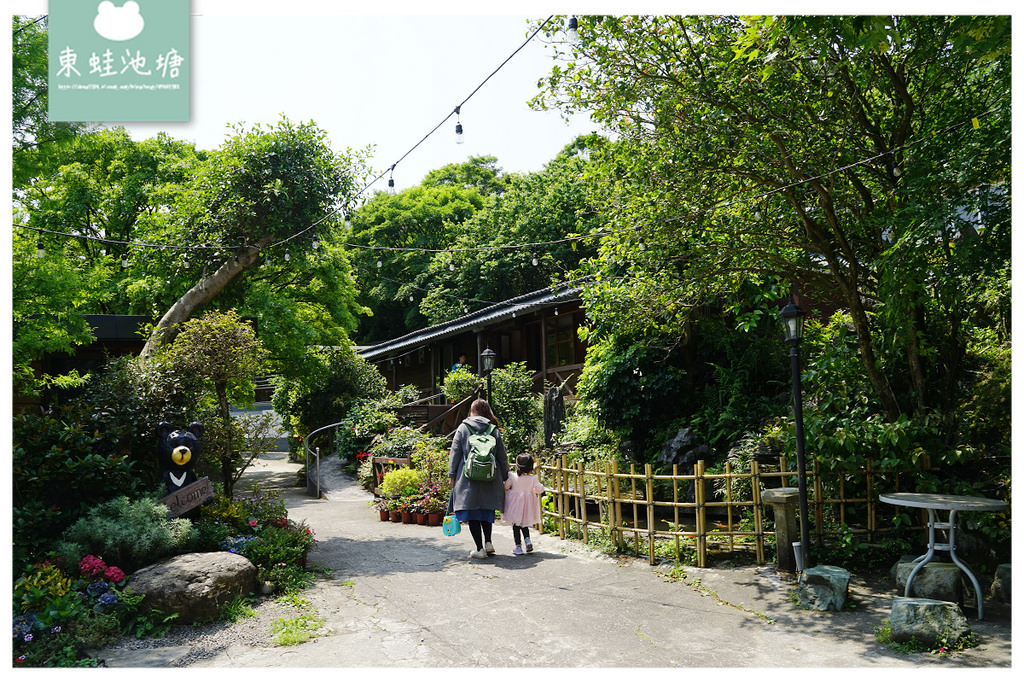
(450, 525)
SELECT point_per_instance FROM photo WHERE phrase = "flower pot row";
(427, 519)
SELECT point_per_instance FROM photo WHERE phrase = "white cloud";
(118, 23)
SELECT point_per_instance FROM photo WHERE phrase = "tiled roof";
(485, 317)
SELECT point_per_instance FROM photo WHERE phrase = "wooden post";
(583, 503)
(755, 484)
(675, 506)
(649, 476)
(698, 497)
(636, 532)
(617, 493)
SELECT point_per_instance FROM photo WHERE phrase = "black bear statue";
(178, 452)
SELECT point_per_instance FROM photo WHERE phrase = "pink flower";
(114, 574)
(253, 522)
(92, 566)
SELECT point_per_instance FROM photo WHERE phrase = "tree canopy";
(863, 159)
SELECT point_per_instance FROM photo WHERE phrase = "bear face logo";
(178, 452)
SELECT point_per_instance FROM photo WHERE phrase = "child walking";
(522, 502)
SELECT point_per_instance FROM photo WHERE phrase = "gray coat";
(476, 495)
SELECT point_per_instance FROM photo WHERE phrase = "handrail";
(445, 414)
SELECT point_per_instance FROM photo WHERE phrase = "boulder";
(1000, 589)
(683, 449)
(195, 586)
(824, 588)
(936, 580)
(927, 621)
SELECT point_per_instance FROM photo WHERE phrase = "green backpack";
(480, 462)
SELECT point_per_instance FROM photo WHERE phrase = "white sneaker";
(478, 555)
(488, 548)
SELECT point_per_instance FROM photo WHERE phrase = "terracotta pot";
(434, 518)
(384, 516)
(395, 516)
(406, 518)
(419, 517)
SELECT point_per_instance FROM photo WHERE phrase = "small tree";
(222, 349)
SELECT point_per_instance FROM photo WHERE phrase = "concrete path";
(402, 595)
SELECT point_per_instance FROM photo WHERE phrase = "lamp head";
(792, 321)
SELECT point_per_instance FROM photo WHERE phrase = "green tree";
(265, 192)
(756, 152)
(49, 299)
(403, 231)
(542, 208)
(34, 135)
(222, 349)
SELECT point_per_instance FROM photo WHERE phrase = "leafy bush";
(365, 420)
(133, 533)
(401, 481)
(432, 458)
(61, 468)
(460, 383)
(340, 378)
(398, 442)
(517, 407)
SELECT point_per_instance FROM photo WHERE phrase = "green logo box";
(121, 60)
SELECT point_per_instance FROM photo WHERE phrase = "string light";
(287, 254)
(184, 261)
(124, 261)
(316, 241)
(40, 251)
(572, 31)
(535, 261)
(459, 137)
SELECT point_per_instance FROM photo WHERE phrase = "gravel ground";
(207, 640)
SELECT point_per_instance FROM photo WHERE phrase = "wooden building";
(537, 328)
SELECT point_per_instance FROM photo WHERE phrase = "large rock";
(195, 586)
(927, 621)
(936, 580)
(1000, 589)
(683, 449)
(824, 588)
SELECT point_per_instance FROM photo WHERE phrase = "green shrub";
(458, 384)
(61, 468)
(402, 481)
(131, 533)
(519, 410)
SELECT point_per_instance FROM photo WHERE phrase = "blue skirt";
(475, 516)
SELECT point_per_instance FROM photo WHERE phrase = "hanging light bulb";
(287, 254)
(451, 266)
(459, 137)
(572, 32)
(412, 298)
(184, 261)
(40, 250)
(348, 221)
(379, 262)
(124, 261)
(535, 261)
(316, 241)
(556, 310)
(757, 214)
(391, 185)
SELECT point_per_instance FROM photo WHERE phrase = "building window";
(560, 336)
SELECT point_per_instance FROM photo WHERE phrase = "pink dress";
(522, 500)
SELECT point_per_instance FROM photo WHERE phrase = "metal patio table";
(934, 502)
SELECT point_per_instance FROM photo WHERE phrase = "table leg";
(926, 558)
(963, 566)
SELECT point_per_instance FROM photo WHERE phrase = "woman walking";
(474, 501)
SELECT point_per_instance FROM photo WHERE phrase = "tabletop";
(943, 501)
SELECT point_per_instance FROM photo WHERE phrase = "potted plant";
(435, 510)
(393, 512)
(381, 506)
(405, 509)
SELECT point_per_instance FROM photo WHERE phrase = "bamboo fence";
(697, 512)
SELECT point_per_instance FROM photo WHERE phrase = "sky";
(384, 80)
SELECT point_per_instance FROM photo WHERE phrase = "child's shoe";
(517, 550)
(529, 546)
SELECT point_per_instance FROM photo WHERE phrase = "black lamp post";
(793, 324)
(487, 358)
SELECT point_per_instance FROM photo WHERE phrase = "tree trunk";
(202, 293)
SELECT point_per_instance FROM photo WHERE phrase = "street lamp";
(793, 326)
(487, 358)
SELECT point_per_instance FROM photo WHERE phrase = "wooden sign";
(188, 497)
